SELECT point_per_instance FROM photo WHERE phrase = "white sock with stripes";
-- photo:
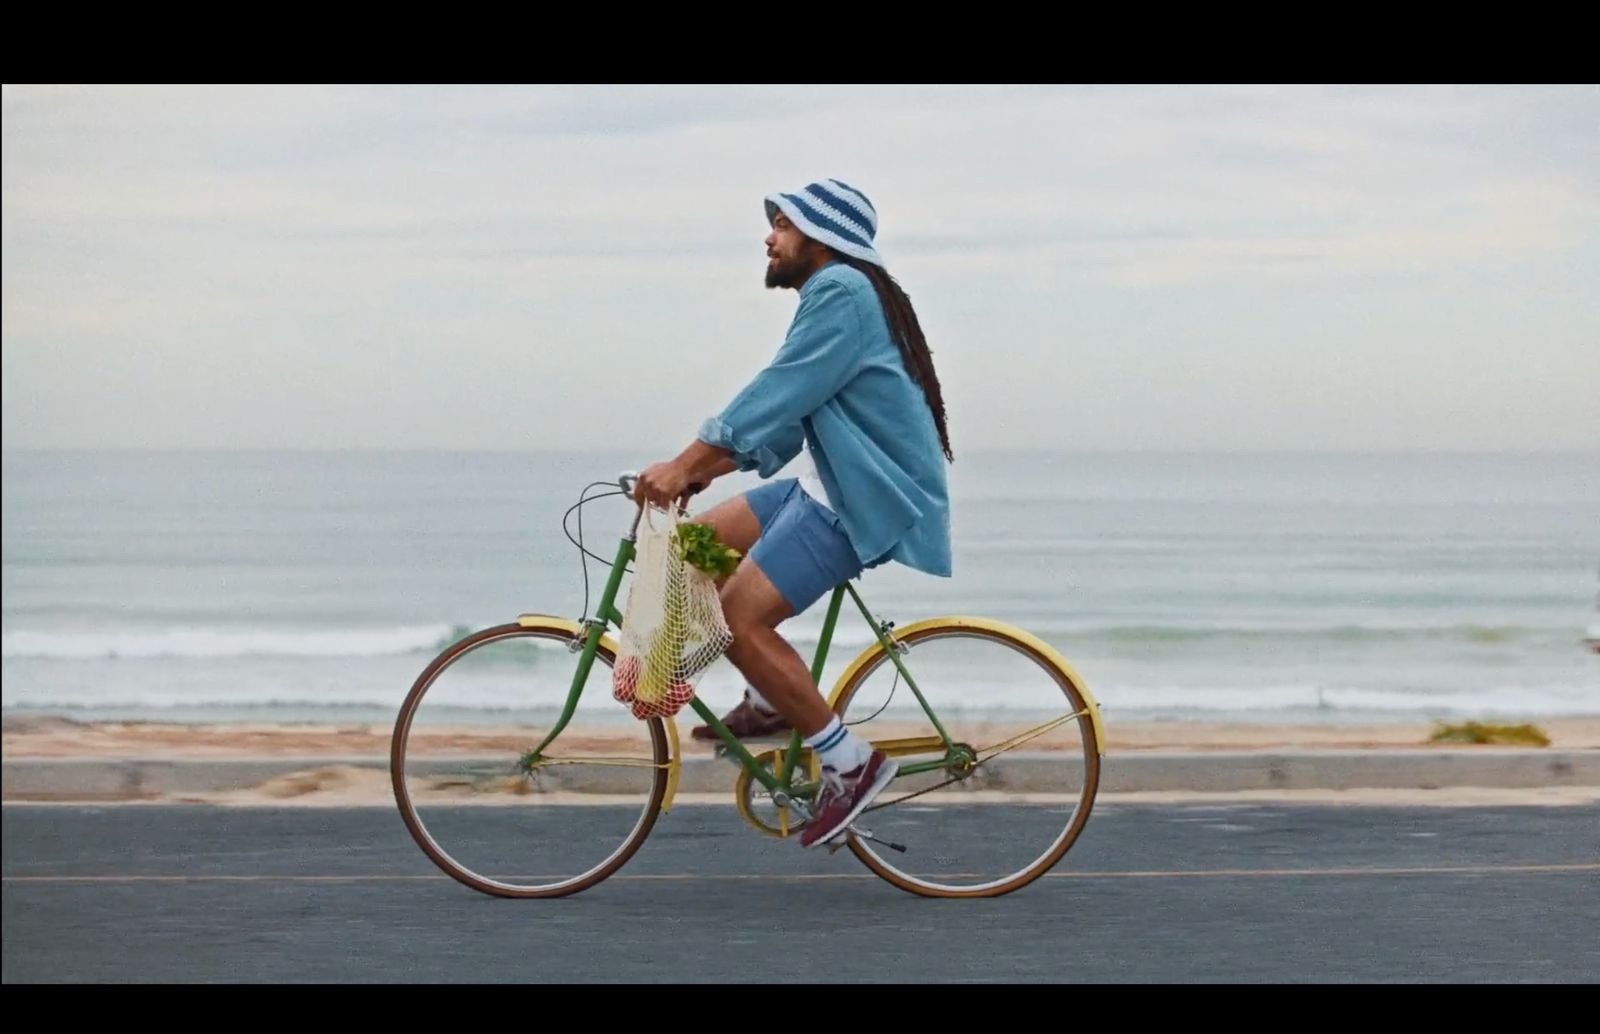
(838, 749)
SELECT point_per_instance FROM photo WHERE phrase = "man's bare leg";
(853, 773)
(753, 608)
(754, 718)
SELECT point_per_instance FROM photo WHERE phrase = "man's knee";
(751, 601)
(740, 615)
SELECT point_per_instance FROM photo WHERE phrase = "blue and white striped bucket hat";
(834, 213)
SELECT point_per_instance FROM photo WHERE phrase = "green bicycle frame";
(608, 616)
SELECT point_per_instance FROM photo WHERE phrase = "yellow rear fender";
(1027, 639)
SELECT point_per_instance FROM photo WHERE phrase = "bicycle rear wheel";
(1001, 803)
(503, 822)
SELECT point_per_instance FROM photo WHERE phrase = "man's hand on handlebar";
(664, 483)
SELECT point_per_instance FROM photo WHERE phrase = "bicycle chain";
(953, 779)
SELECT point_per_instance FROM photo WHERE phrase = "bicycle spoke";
(612, 762)
(1031, 734)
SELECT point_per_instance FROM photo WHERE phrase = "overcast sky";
(1161, 268)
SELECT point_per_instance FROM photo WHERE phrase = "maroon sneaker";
(845, 795)
(746, 722)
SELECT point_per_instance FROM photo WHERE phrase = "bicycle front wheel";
(483, 807)
(999, 753)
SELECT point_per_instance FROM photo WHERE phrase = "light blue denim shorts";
(802, 549)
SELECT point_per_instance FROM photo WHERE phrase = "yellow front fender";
(609, 645)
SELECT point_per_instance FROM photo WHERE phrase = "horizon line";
(978, 451)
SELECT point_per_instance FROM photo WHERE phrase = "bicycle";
(444, 769)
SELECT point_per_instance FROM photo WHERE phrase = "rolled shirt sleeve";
(821, 353)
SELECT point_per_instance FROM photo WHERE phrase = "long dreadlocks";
(907, 333)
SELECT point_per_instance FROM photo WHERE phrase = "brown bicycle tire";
(435, 852)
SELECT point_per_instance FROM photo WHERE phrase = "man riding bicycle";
(854, 389)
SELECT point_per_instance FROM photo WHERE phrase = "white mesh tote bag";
(672, 626)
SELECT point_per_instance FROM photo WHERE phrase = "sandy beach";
(51, 737)
(328, 778)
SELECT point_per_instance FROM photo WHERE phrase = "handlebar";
(629, 478)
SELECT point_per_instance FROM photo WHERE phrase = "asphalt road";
(1246, 893)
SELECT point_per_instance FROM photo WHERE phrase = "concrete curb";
(143, 778)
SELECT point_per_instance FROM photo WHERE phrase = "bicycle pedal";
(867, 834)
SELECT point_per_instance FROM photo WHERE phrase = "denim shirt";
(839, 383)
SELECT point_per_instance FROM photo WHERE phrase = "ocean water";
(302, 586)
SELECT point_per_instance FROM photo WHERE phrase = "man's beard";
(781, 274)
